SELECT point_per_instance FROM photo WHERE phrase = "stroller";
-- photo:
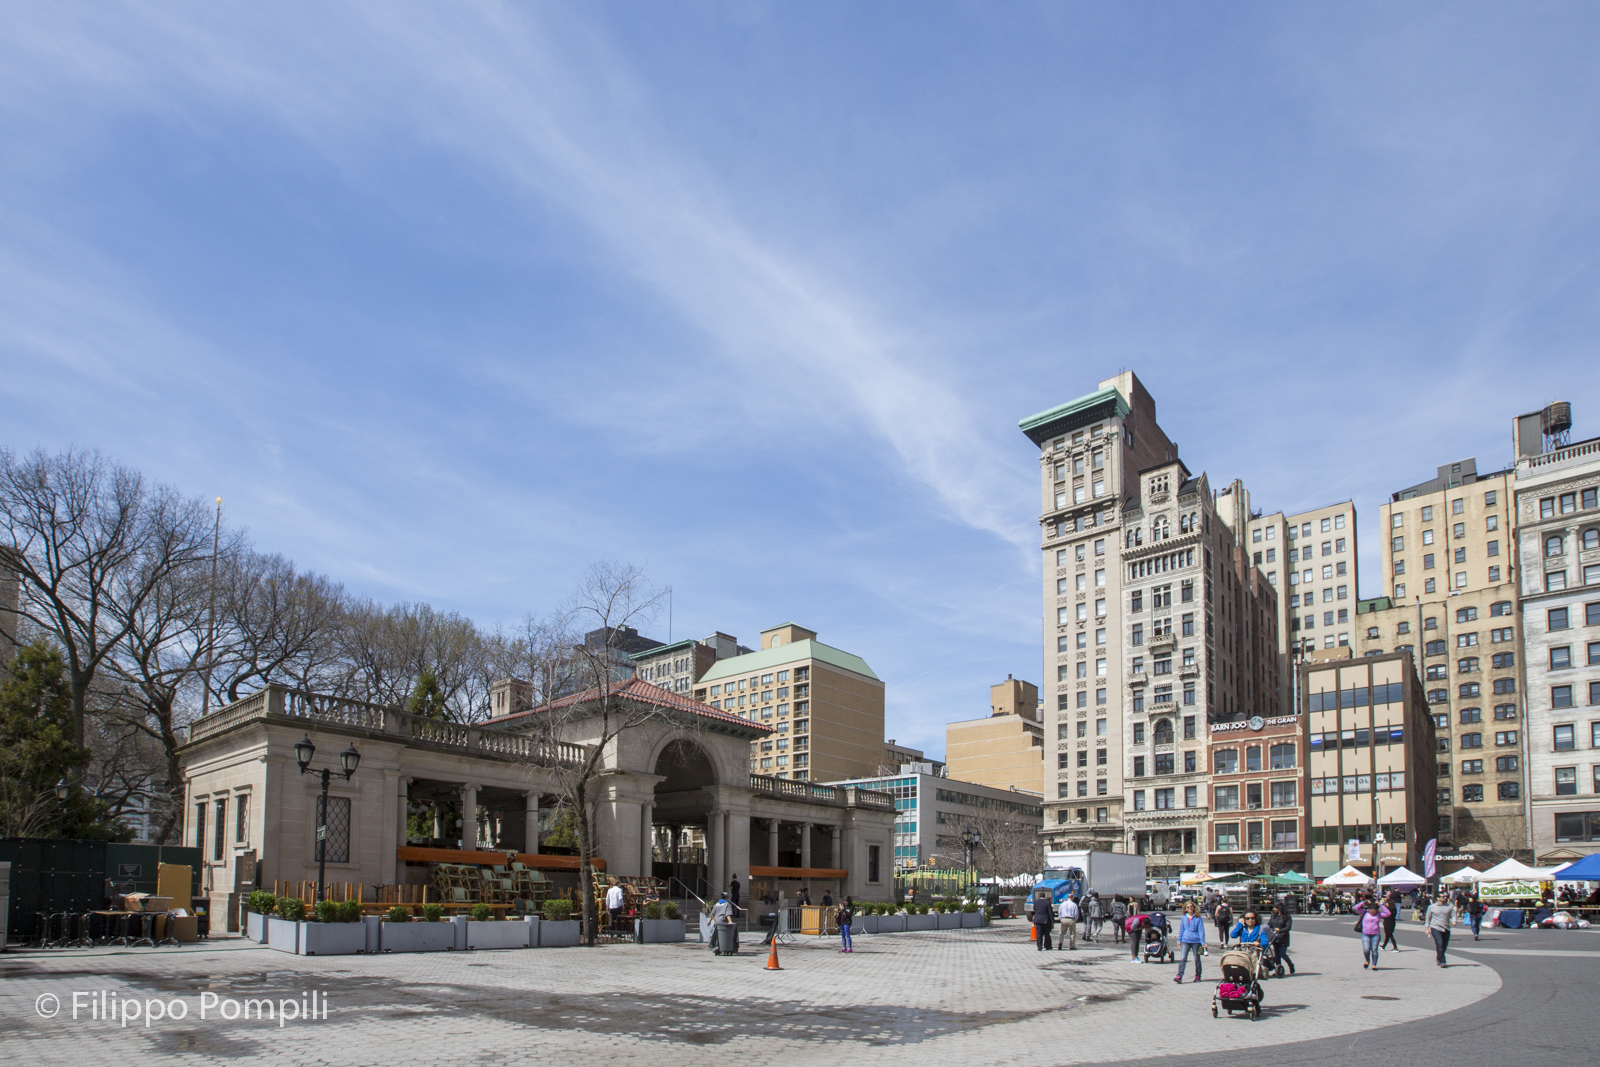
(1240, 988)
(1154, 947)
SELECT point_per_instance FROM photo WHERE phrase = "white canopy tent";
(1401, 878)
(1348, 877)
(1515, 871)
(1465, 876)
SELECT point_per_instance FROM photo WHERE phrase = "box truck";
(1082, 871)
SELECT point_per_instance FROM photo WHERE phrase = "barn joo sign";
(1255, 722)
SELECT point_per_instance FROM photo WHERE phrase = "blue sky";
(446, 300)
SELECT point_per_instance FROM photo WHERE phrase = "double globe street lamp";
(970, 839)
(349, 759)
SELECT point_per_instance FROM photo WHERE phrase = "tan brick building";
(1005, 748)
(824, 705)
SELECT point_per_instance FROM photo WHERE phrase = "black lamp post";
(970, 839)
(63, 791)
(348, 759)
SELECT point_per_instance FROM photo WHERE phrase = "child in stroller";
(1148, 933)
(1240, 988)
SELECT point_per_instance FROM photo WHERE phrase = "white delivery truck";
(1107, 873)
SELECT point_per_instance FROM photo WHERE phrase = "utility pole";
(211, 626)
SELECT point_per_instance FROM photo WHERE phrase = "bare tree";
(580, 694)
(277, 624)
(90, 543)
(1009, 847)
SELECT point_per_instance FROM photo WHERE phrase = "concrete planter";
(255, 927)
(558, 934)
(915, 923)
(370, 927)
(417, 937)
(282, 934)
(865, 924)
(532, 923)
(501, 934)
(891, 924)
(660, 931)
(948, 920)
(971, 920)
(331, 939)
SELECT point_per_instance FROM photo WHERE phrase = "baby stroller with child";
(1240, 988)
(1153, 946)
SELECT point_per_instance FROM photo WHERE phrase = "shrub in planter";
(652, 909)
(262, 902)
(669, 909)
(292, 908)
(432, 913)
(968, 908)
(558, 911)
(482, 913)
(327, 911)
(399, 914)
(350, 911)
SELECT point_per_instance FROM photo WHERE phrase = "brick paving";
(939, 997)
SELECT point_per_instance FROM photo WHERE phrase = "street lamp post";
(63, 790)
(970, 839)
(348, 760)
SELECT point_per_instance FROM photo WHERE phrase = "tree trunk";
(585, 875)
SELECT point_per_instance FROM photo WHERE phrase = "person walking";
(1370, 926)
(1095, 916)
(1393, 904)
(1475, 913)
(1044, 915)
(847, 916)
(1441, 913)
(1119, 917)
(1223, 915)
(733, 892)
(615, 901)
(1278, 926)
(1191, 940)
(1068, 937)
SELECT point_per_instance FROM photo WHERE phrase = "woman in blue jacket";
(1249, 931)
(1191, 940)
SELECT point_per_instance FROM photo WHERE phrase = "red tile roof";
(642, 692)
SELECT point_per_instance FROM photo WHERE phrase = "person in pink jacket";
(1372, 915)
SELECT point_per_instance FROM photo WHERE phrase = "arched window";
(1591, 538)
(1163, 732)
(1183, 524)
(1554, 545)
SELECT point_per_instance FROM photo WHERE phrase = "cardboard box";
(185, 928)
(174, 880)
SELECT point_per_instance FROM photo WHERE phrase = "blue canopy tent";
(1584, 870)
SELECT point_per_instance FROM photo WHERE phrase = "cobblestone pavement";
(949, 997)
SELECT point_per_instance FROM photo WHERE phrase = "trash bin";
(725, 939)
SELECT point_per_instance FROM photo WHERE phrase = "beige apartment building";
(1557, 486)
(1311, 559)
(825, 706)
(1005, 748)
(1155, 624)
(1450, 570)
(1370, 746)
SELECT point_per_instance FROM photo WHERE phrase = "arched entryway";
(684, 800)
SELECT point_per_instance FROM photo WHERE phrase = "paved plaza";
(956, 997)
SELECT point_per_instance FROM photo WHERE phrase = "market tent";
(1294, 878)
(1231, 876)
(1192, 877)
(1349, 876)
(1514, 871)
(1465, 876)
(1400, 878)
(1584, 870)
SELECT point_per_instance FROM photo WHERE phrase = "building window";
(1505, 738)
(200, 825)
(1226, 760)
(1138, 800)
(241, 819)
(1166, 799)
(1471, 794)
(1227, 837)
(1565, 738)
(337, 847)
(1561, 696)
(1285, 834)
(220, 827)
(1226, 797)
(1566, 781)
(1283, 794)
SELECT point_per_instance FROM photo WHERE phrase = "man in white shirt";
(1069, 924)
(614, 904)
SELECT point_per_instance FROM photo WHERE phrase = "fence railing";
(321, 709)
(824, 794)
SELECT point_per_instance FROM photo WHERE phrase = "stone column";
(530, 801)
(714, 851)
(469, 815)
(772, 842)
(401, 788)
(805, 844)
(833, 855)
(647, 837)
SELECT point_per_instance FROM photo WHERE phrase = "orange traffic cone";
(772, 957)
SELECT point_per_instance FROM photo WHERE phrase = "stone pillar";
(469, 815)
(647, 837)
(401, 786)
(714, 852)
(833, 854)
(530, 801)
(772, 842)
(738, 853)
(805, 844)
